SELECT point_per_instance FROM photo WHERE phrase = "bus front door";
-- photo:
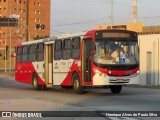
(87, 61)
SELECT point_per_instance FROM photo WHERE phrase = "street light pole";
(111, 12)
(9, 36)
(5, 56)
(10, 50)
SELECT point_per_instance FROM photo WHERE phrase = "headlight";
(138, 72)
(96, 71)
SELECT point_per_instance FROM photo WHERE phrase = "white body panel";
(50, 74)
(103, 79)
(39, 67)
(61, 68)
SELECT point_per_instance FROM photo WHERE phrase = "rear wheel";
(76, 84)
(44, 87)
(115, 88)
(35, 84)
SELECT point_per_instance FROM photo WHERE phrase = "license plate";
(120, 80)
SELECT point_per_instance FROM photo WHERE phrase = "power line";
(77, 23)
(153, 17)
(55, 30)
(91, 21)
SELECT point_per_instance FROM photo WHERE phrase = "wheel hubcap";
(76, 84)
(35, 82)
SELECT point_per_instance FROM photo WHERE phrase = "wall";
(149, 59)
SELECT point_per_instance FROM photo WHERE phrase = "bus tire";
(35, 84)
(44, 87)
(76, 84)
(115, 88)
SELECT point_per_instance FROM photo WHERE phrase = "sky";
(72, 16)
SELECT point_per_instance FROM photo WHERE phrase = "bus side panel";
(24, 73)
(75, 67)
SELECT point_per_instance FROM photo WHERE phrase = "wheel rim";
(76, 84)
(34, 82)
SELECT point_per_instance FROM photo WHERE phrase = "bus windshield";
(116, 52)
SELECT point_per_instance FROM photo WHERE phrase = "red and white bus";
(96, 58)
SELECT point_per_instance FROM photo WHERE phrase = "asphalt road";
(15, 96)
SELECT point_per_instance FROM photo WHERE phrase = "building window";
(5, 8)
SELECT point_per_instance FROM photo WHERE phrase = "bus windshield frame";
(120, 50)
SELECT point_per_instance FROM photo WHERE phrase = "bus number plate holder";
(119, 80)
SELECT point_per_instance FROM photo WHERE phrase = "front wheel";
(115, 88)
(76, 84)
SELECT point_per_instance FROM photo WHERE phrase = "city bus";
(95, 58)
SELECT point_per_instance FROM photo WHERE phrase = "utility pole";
(135, 11)
(111, 12)
(27, 21)
(10, 47)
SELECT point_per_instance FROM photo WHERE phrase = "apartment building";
(33, 21)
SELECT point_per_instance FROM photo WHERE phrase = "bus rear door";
(49, 64)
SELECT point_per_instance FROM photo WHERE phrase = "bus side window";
(58, 50)
(75, 48)
(24, 53)
(66, 49)
(40, 52)
(19, 54)
(32, 53)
